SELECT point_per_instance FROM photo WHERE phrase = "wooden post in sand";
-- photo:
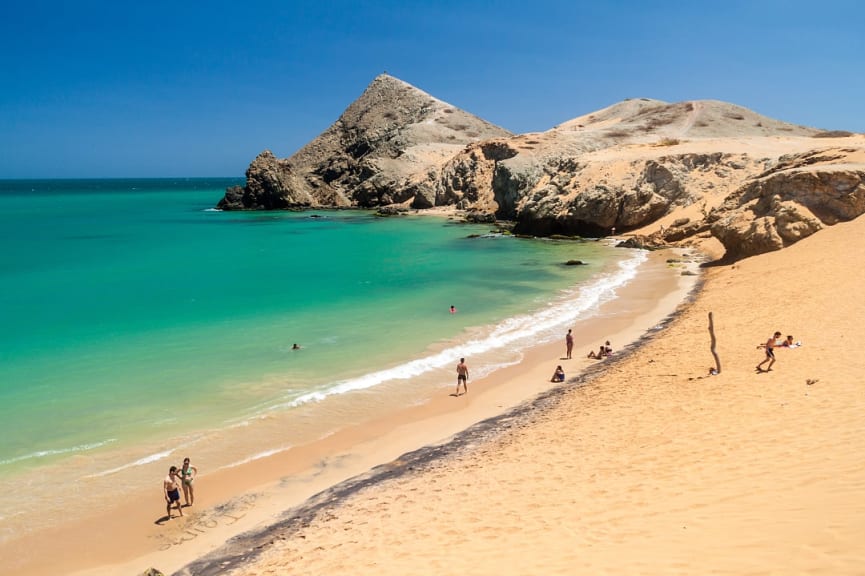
(712, 346)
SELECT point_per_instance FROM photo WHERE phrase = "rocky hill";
(666, 173)
(378, 152)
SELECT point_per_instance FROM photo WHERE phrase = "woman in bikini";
(187, 474)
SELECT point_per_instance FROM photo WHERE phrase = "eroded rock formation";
(668, 172)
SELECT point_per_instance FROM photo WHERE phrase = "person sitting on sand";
(608, 349)
(599, 354)
(558, 375)
(788, 342)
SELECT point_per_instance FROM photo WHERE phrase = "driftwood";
(712, 345)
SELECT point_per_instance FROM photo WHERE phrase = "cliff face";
(791, 201)
(674, 173)
(380, 151)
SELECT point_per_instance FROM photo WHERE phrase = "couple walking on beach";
(184, 477)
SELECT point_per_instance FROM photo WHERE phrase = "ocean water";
(135, 317)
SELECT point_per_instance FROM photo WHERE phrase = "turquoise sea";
(135, 315)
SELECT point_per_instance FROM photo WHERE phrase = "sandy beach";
(125, 539)
(643, 464)
(653, 467)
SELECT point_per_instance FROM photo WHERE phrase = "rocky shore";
(669, 174)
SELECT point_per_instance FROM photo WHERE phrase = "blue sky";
(117, 89)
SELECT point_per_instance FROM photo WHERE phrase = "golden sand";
(655, 467)
(650, 467)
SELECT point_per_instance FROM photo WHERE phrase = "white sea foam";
(57, 451)
(255, 457)
(140, 462)
(539, 327)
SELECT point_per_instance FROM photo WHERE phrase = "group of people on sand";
(603, 351)
(558, 375)
(769, 347)
(184, 477)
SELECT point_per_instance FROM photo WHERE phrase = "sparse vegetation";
(448, 110)
(668, 142)
(618, 134)
(833, 134)
(701, 123)
(734, 116)
(659, 121)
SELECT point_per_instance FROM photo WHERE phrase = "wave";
(528, 329)
(140, 462)
(56, 451)
(255, 457)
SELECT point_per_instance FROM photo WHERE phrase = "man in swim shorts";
(770, 352)
(462, 376)
(171, 487)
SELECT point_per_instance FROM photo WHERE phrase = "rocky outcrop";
(571, 204)
(380, 151)
(786, 206)
(755, 183)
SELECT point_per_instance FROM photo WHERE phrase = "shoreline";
(232, 501)
(248, 546)
(657, 467)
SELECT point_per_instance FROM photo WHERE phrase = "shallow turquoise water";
(122, 301)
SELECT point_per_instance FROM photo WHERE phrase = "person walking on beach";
(569, 344)
(188, 472)
(462, 376)
(171, 487)
(770, 352)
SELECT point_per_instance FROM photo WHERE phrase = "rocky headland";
(692, 173)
